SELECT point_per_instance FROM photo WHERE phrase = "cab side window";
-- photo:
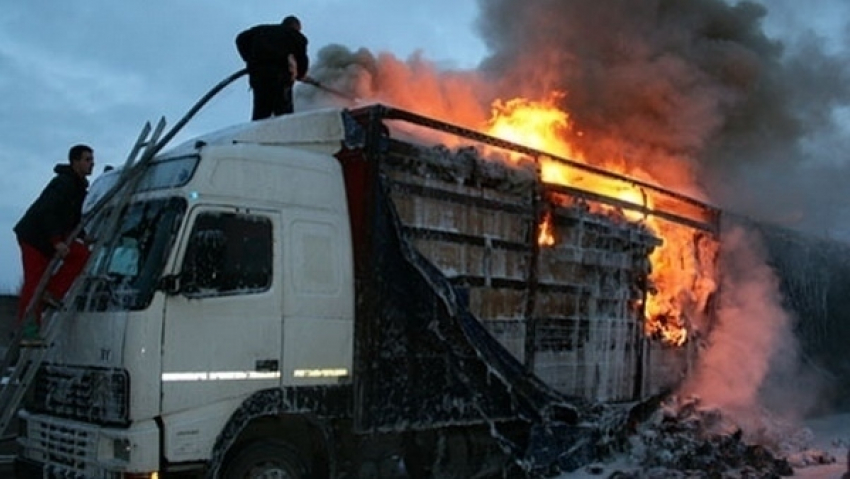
(228, 253)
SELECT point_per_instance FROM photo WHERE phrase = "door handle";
(267, 365)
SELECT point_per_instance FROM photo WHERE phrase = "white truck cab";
(231, 273)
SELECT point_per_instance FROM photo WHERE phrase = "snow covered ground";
(831, 434)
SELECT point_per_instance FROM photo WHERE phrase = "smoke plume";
(752, 335)
(697, 82)
(694, 92)
(415, 84)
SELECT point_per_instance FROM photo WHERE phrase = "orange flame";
(678, 275)
(538, 125)
(546, 237)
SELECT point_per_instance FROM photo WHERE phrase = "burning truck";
(368, 293)
(376, 293)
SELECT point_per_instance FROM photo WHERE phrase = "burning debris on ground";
(680, 437)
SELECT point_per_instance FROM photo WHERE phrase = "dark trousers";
(272, 94)
(35, 264)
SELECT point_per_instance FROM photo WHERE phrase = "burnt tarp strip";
(416, 370)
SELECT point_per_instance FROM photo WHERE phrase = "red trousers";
(35, 263)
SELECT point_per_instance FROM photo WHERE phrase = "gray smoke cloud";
(414, 83)
(758, 118)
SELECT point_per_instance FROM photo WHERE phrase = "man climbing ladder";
(43, 231)
(26, 354)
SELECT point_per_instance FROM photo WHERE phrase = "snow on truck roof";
(317, 130)
(320, 131)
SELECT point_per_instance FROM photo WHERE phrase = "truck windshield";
(126, 270)
(161, 173)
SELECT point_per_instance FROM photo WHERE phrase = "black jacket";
(56, 212)
(267, 47)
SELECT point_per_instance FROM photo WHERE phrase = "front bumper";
(26, 469)
(53, 447)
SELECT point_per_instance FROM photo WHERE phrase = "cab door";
(222, 324)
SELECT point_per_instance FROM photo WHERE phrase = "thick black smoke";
(692, 80)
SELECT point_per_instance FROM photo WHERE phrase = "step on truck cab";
(336, 293)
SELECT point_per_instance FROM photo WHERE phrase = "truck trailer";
(352, 293)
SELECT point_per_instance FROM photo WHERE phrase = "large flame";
(677, 279)
(538, 125)
(680, 282)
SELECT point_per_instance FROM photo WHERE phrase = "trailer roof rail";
(677, 207)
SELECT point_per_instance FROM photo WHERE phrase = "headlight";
(121, 449)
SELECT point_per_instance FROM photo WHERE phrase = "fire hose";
(332, 91)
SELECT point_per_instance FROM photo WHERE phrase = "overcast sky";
(93, 71)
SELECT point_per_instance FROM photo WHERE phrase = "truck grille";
(95, 395)
(66, 473)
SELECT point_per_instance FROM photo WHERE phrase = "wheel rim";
(270, 470)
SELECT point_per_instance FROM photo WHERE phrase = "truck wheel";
(266, 460)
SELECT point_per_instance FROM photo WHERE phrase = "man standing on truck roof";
(43, 230)
(276, 56)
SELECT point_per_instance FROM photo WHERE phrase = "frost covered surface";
(683, 438)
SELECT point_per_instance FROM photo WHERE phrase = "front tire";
(266, 460)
